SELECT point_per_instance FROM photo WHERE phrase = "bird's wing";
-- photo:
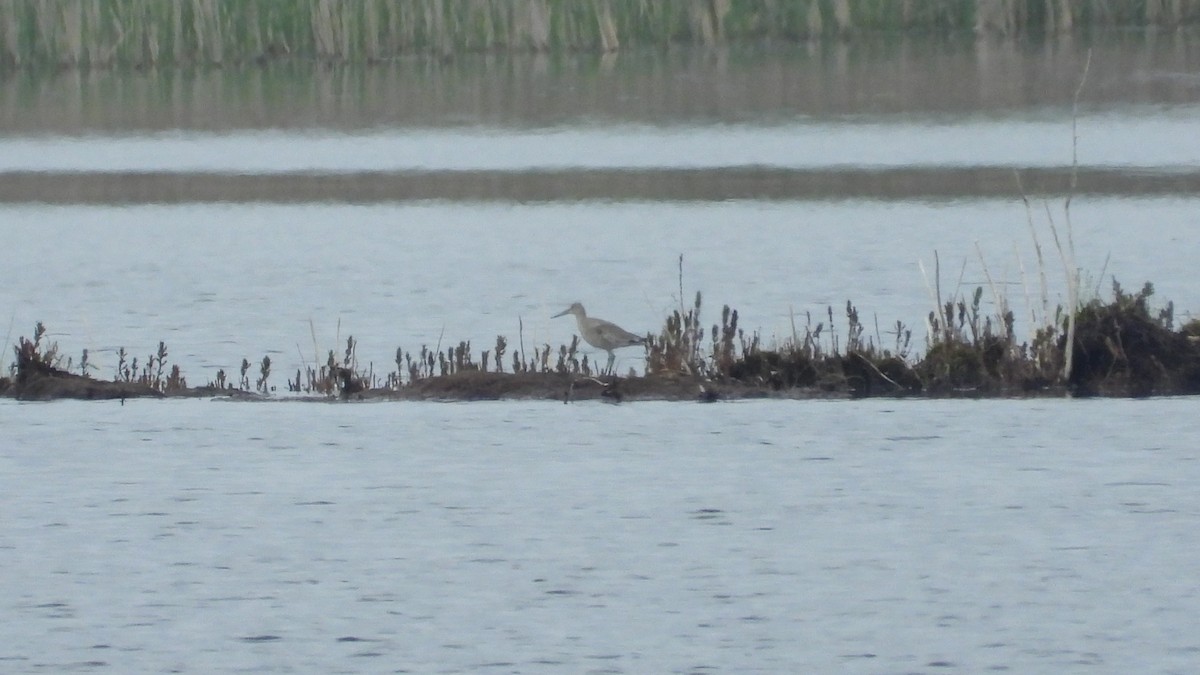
(613, 334)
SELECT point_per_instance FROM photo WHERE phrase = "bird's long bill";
(562, 313)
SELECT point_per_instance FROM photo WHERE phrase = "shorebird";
(601, 334)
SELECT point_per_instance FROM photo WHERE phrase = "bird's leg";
(611, 359)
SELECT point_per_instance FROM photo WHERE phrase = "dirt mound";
(45, 383)
(483, 386)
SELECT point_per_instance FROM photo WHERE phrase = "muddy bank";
(484, 386)
(41, 382)
(55, 384)
(852, 377)
(763, 183)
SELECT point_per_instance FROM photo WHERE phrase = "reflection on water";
(890, 120)
(770, 84)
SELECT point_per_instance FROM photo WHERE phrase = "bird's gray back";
(609, 335)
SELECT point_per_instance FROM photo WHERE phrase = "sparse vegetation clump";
(1120, 348)
(41, 372)
(1125, 348)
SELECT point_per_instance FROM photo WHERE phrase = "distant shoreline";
(134, 34)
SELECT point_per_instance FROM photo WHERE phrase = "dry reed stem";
(1069, 255)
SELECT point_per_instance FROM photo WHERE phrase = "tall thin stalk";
(1069, 255)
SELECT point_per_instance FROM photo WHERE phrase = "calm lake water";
(860, 537)
(224, 213)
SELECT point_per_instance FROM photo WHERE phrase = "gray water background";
(875, 537)
(535, 537)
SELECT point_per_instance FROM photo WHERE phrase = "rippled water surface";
(276, 211)
(918, 536)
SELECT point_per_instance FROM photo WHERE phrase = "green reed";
(140, 33)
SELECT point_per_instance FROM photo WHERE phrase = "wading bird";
(601, 334)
